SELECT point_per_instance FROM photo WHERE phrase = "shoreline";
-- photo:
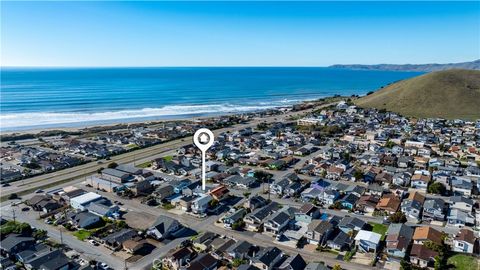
(79, 127)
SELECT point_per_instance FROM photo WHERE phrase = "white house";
(464, 241)
(200, 204)
(81, 202)
(367, 241)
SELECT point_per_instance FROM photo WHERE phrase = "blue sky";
(237, 33)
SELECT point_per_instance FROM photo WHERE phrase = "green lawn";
(144, 165)
(168, 158)
(464, 262)
(379, 228)
(82, 234)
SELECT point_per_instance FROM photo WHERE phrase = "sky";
(87, 34)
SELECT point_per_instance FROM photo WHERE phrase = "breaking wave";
(19, 121)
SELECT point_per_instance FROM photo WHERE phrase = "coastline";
(118, 124)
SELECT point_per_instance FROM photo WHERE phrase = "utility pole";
(125, 264)
(61, 236)
(13, 214)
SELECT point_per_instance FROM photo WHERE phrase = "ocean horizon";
(36, 98)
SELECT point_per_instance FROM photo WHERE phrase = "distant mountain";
(449, 94)
(474, 65)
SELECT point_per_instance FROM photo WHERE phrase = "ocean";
(35, 98)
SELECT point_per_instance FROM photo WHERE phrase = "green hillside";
(447, 94)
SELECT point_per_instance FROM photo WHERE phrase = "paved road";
(84, 248)
(207, 224)
(78, 173)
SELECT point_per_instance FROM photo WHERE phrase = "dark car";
(26, 209)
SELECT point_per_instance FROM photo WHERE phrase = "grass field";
(82, 234)
(145, 165)
(379, 228)
(464, 262)
(447, 94)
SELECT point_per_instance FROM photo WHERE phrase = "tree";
(437, 188)
(397, 217)
(213, 203)
(39, 234)
(112, 165)
(13, 196)
(237, 262)
(99, 170)
(358, 175)
(389, 144)
(404, 265)
(337, 267)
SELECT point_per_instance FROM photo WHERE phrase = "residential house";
(349, 224)
(367, 203)
(241, 250)
(367, 241)
(421, 256)
(434, 209)
(179, 258)
(233, 217)
(267, 258)
(398, 238)
(15, 243)
(81, 202)
(254, 221)
(327, 197)
(219, 193)
(115, 240)
(319, 231)
(84, 219)
(255, 202)
(389, 203)
(420, 181)
(461, 186)
(340, 241)
(277, 223)
(460, 218)
(307, 213)
(464, 241)
(164, 227)
(203, 261)
(295, 262)
(349, 201)
(423, 234)
(104, 208)
(412, 206)
(461, 203)
(200, 204)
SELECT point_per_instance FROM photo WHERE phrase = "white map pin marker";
(203, 139)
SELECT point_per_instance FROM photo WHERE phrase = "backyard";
(463, 262)
(379, 228)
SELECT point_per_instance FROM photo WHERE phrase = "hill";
(447, 94)
(475, 65)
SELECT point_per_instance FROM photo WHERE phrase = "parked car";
(25, 209)
(93, 242)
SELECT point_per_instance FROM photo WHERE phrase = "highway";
(78, 173)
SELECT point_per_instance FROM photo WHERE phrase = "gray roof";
(120, 236)
(454, 199)
(280, 217)
(316, 266)
(163, 224)
(400, 230)
(294, 263)
(13, 240)
(352, 222)
(114, 172)
(268, 255)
